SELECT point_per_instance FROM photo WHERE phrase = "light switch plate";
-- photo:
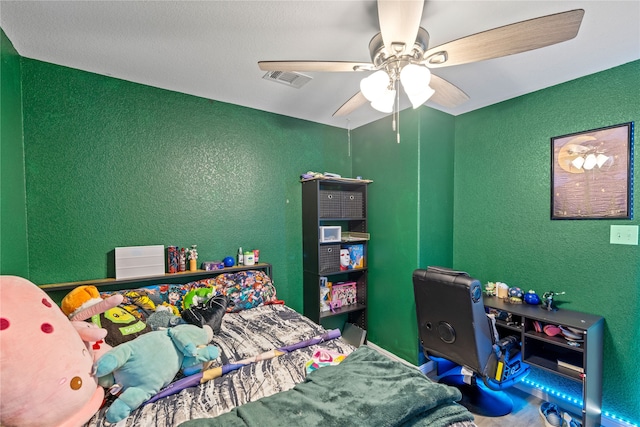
(624, 235)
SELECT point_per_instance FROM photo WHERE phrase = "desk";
(544, 351)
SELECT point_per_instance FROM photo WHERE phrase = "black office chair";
(457, 334)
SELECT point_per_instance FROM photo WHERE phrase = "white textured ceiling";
(211, 48)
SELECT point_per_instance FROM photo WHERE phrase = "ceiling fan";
(400, 54)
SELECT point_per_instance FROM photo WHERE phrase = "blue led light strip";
(615, 420)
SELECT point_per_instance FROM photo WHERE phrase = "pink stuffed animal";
(45, 367)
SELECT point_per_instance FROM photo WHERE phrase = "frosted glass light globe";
(375, 85)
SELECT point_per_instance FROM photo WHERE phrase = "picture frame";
(592, 174)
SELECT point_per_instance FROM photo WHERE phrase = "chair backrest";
(452, 322)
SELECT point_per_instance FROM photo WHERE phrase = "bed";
(279, 391)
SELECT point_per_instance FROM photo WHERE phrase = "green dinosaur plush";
(145, 365)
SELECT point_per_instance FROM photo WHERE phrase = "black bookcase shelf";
(333, 202)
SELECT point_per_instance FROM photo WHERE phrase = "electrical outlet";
(624, 235)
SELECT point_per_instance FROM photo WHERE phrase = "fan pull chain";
(398, 112)
(348, 137)
(393, 121)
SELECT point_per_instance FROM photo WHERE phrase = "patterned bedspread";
(244, 334)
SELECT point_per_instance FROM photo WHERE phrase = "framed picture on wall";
(592, 174)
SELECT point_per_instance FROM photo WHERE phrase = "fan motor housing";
(380, 59)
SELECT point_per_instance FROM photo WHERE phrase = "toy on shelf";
(502, 290)
(344, 259)
(356, 256)
(173, 259)
(490, 289)
(515, 295)
(193, 258)
(547, 300)
(325, 294)
(531, 298)
(182, 260)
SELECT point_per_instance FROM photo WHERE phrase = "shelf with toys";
(58, 290)
(168, 277)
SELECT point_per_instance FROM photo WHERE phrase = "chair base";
(479, 399)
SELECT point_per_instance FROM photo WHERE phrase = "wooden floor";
(525, 413)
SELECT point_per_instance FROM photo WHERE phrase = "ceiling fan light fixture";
(419, 98)
(415, 82)
(415, 78)
(384, 103)
(375, 85)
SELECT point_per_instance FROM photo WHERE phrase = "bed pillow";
(247, 289)
(144, 301)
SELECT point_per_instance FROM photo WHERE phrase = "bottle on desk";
(240, 256)
(248, 258)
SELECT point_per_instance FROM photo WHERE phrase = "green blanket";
(366, 389)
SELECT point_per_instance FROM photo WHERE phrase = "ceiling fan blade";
(355, 102)
(446, 94)
(399, 23)
(508, 40)
(314, 66)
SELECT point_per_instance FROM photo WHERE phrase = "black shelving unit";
(584, 355)
(333, 202)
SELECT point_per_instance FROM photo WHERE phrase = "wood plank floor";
(525, 413)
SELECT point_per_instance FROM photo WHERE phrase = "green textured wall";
(410, 216)
(113, 163)
(501, 214)
(14, 258)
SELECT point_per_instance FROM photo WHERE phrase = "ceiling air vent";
(289, 78)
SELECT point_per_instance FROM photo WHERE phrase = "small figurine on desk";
(547, 302)
(182, 260)
(193, 258)
(490, 289)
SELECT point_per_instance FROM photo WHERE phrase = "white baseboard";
(390, 355)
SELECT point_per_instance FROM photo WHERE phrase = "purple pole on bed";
(329, 335)
(200, 377)
(176, 386)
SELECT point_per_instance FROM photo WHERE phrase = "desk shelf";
(57, 291)
(543, 351)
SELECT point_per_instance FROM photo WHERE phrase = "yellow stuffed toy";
(84, 302)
